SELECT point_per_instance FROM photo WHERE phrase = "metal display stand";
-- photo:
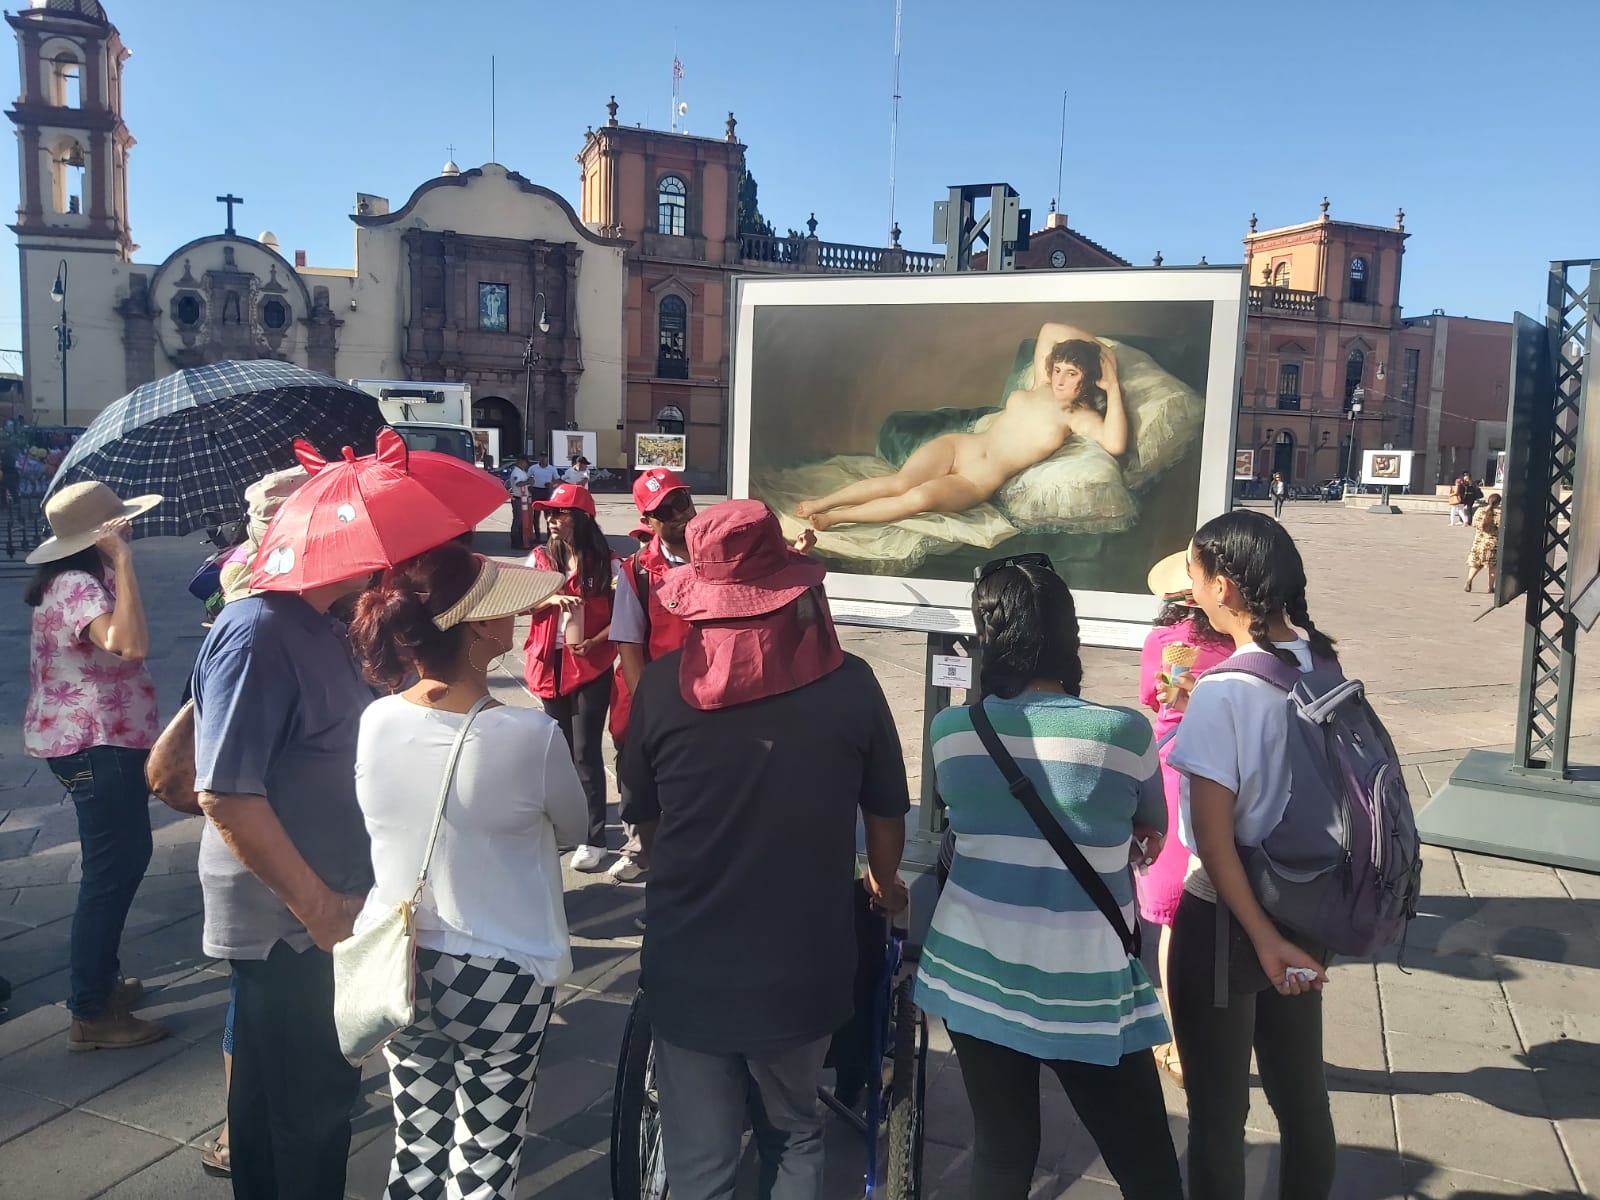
(1383, 505)
(1533, 804)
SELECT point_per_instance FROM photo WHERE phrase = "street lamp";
(530, 359)
(58, 293)
(1355, 411)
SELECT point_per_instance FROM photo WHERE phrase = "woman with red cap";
(570, 658)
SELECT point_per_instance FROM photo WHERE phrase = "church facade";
(480, 276)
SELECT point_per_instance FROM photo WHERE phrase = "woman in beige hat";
(91, 715)
(491, 929)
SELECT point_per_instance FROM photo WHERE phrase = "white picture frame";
(669, 450)
(564, 441)
(811, 375)
(1387, 468)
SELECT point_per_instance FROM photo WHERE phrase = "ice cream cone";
(1179, 654)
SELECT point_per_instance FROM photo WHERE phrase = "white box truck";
(429, 416)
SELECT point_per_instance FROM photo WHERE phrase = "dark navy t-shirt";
(278, 703)
(750, 945)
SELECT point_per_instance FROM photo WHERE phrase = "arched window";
(1358, 280)
(1354, 367)
(66, 81)
(672, 206)
(669, 419)
(672, 338)
(1280, 277)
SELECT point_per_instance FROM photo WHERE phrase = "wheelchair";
(880, 1076)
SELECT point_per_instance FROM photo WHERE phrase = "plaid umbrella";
(201, 436)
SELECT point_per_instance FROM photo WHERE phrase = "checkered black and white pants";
(463, 1076)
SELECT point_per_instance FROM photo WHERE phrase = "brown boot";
(128, 992)
(114, 1029)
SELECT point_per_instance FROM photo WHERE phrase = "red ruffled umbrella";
(363, 514)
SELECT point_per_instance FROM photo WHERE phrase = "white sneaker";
(626, 870)
(588, 858)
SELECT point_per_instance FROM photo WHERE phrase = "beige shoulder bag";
(375, 971)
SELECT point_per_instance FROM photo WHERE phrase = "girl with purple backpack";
(1239, 982)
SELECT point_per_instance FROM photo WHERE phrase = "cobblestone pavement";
(1471, 1073)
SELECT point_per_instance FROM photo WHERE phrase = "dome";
(268, 239)
(450, 170)
(88, 9)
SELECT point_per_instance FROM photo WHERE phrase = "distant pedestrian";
(1280, 492)
(541, 478)
(1457, 500)
(517, 483)
(1486, 545)
(91, 715)
(1231, 989)
(1471, 496)
(492, 939)
(578, 473)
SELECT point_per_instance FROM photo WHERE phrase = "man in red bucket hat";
(751, 751)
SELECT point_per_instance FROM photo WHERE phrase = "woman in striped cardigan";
(1022, 966)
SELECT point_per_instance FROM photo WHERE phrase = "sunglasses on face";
(1040, 561)
(674, 505)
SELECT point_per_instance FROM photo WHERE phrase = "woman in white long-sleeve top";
(491, 930)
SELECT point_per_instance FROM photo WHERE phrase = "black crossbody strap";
(1028, 796)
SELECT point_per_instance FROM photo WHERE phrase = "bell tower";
(71, 143)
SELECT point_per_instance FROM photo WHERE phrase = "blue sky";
(1183, 118)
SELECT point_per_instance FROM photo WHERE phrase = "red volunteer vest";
(550, 668)
(667, 631)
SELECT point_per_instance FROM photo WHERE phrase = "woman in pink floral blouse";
(92, 716)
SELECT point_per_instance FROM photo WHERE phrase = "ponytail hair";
(393, 633)
(1257, 555)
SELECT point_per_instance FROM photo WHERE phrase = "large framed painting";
(670, 450)
(925, 425)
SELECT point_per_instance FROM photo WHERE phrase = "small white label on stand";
(952, 671)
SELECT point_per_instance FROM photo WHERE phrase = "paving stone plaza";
(1474, 1071)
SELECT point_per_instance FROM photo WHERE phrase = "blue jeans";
(113, 802)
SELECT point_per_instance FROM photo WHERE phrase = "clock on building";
(1058, 258)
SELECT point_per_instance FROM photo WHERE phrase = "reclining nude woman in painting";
(1076, 393)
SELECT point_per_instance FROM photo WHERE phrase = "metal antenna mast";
(894, 119)
(1061, 154)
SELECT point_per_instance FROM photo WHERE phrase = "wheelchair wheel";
(638, 1170)
(906, 1094)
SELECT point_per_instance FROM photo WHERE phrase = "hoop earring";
(492, 663)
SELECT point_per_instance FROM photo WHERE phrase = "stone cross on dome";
(230, 200)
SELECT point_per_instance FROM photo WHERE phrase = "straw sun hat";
(500, 590)
(1169, 579)
(78, 515)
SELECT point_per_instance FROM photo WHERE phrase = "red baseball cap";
(568, 495)
(654, 486)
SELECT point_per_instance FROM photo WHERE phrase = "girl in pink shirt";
(1179, 622)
